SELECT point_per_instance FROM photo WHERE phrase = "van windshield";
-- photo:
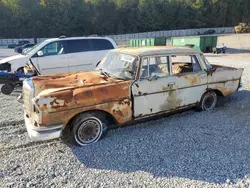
(31, 48)
(119, 65)
(35, 48)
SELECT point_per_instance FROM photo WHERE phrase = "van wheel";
(208, 101)
(87, 129)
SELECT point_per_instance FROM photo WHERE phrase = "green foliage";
(51, 18)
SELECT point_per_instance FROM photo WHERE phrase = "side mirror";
(154, 77)
(40, 53)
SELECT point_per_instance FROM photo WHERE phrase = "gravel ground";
(190, 149)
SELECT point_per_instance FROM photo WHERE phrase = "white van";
(61, 55)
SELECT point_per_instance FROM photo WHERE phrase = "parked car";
(21, 48)
(62, 54)
(18, 43)
(128, 85)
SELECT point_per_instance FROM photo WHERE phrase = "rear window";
(102, 44)
(74, 46)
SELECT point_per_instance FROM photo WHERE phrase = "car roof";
(75, 38)
(155, 50)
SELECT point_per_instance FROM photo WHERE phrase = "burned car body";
(128, 85)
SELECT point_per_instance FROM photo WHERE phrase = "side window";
(76, 46)
(185, 64)
(54, 48)
(102, 44)
(155, 66)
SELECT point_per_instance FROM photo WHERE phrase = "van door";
(84, 54)
(101, 47)
(80, 55)
(53, 58)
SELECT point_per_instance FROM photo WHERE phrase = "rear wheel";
(208, 101)
(87, 129)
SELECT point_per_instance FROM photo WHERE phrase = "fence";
(153, 34)
(171, 33)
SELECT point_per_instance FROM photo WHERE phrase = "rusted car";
(128, 85)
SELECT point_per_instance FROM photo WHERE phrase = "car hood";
(66, 91)
(47, 84)
(11, 58)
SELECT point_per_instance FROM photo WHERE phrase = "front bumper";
(42, 133)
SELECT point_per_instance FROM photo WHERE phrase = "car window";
(54, 48)
(74, 46)
(184, 64)
(102, 44)
(155, 66)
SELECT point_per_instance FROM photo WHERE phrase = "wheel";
(87, 129)
(208, 101)
(7, 89)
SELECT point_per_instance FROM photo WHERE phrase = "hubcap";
(89, 131)
(209, 102)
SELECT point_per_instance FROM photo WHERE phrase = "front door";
(155, 91)
(54, 59)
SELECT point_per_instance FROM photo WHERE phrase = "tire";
(208, 101)
(7, 89)
(87, 129)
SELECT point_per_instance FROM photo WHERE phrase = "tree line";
(52, 18)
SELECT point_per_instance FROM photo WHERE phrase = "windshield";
(209, 66)
(35, 48)
(118, 65)
(29, 49)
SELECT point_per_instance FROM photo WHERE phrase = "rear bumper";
(42, 133)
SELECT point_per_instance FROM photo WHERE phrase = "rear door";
(84, 54)
(101, 48)
(190, 79)
(80, 55)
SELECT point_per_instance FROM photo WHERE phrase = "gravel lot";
(190, 149)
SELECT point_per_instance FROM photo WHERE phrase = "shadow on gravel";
(205, 146)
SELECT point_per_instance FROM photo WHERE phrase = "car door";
(154, 92)
(190, 79)
(100, 48)
(53, 58)
(80, 55)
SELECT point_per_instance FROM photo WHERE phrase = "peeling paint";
(60, 97)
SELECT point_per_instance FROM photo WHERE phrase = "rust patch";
(63, 103)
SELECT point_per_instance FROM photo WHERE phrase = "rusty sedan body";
(129, 84)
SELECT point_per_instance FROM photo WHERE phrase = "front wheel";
(87, 129)
(208, 101)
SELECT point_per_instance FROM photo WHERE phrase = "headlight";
(5, 67)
